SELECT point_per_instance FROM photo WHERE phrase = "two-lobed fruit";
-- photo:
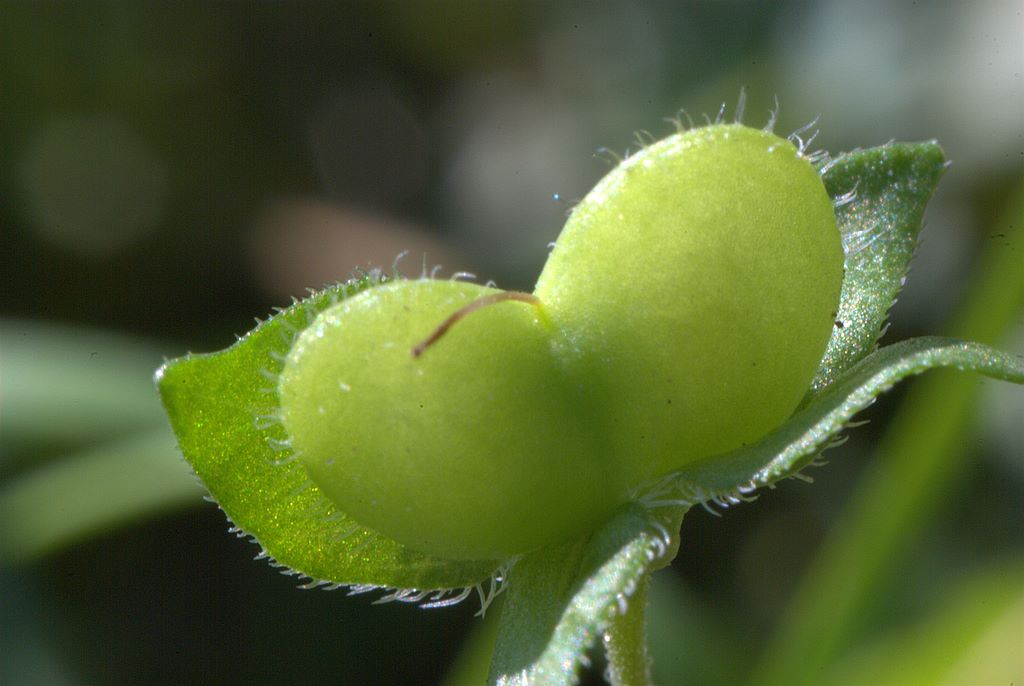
(477, 448)
(682, 313)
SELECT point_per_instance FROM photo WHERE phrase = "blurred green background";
(169, 171)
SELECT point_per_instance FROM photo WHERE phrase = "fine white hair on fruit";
(741, 106)
(773, 116)
(819, 159)
(796, 138)
(678, 123)
(610, 156)
(644, 138)
(394, 263)
(720, 117)
(805, 144)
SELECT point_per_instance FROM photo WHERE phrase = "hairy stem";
(625, 641)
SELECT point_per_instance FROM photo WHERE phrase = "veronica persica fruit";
(682, 313)
(695, 289)
(478, 448)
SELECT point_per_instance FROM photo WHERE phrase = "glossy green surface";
(478, 448)
(469, 451)
(695, 290)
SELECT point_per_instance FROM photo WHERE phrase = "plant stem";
(625, 641)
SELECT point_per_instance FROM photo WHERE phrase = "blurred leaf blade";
(216, 402)
(689, 642)
(72, 386)
(915, 465)
(974, 638)
(890, 186)
(473, 662)
(117, 483)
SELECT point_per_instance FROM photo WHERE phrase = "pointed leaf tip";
(217, 404)
(889, 186)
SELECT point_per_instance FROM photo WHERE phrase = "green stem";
(625, 641)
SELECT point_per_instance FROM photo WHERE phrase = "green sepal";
(887, 189)
(561, 599)
(222, 407)
(785, 451)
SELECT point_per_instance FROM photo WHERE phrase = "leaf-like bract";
(889, 187)
(790, 447)
(223, 407)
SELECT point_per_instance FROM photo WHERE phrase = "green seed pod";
(682, 313)
(475, 449)
(695, 289)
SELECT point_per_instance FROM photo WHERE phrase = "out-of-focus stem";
(625, 641)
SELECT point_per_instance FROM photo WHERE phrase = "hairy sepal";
(222, 407)
(562, 598)
(789, 448)
(880, 196)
